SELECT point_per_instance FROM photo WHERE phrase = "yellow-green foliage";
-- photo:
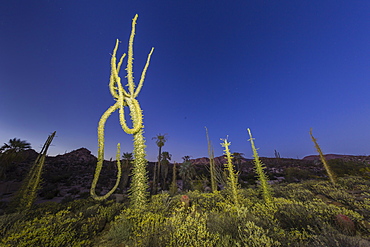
(232, 182)
(335, 193)
(49, 230)
(190, 229)
(265, 187)
(184, 227)
(124, 99)
(147, 227)
(293, 191)
(315, 209)
(207, 201)
(8, 220)
(57, 225)
(323, 160)
(255, 236)
(354, 183)
(211, 220)
(163, 203)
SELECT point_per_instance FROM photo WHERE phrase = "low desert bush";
(48, 230)
(293, 191)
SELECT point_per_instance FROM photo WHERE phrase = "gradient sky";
(276, 67)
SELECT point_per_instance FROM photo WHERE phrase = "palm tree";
(126, 168)
(186, 172)
(186, 158)
(11, 152)
(166, 157)
(160, 141)
(15, 145)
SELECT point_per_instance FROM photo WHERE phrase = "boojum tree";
(232, 181)
(259, 166)
(126, 98)
(323, 160)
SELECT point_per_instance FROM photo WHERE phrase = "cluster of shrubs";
(297, 217)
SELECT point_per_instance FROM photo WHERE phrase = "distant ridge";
(84, 155)
(336, 156)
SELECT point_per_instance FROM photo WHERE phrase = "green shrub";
(190, 229)
(163, 203)
(119, 232)
(344, 168)
(49, 230)
(255, 236)
(336, 193)
(293, 215)
(354, 183)
(206, 201)
(224, 223)
(293, 191)
(8, 220)
(293, 174)
(332, 238)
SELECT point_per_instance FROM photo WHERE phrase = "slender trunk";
(156, 173)
(164, 174)
(154, 187)
(125, 175)
(159, 165)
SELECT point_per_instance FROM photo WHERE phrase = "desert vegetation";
(331, 210)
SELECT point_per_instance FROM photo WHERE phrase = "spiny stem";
(265, 187)
(123, 98)
(232, 179)
(323, 160)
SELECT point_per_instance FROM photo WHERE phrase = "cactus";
(323, 160)
(277, 154)
(265, 187)
(125, 98)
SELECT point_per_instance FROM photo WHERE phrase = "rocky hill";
(65, 177)
(69, 176)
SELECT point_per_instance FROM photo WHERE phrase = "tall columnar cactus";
(123, 98)
(232, 182)
(265, 187)
(323, 160)
(211, 163)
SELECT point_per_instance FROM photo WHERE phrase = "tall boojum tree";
(123, 98)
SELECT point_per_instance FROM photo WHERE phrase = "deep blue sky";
(276, 67)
